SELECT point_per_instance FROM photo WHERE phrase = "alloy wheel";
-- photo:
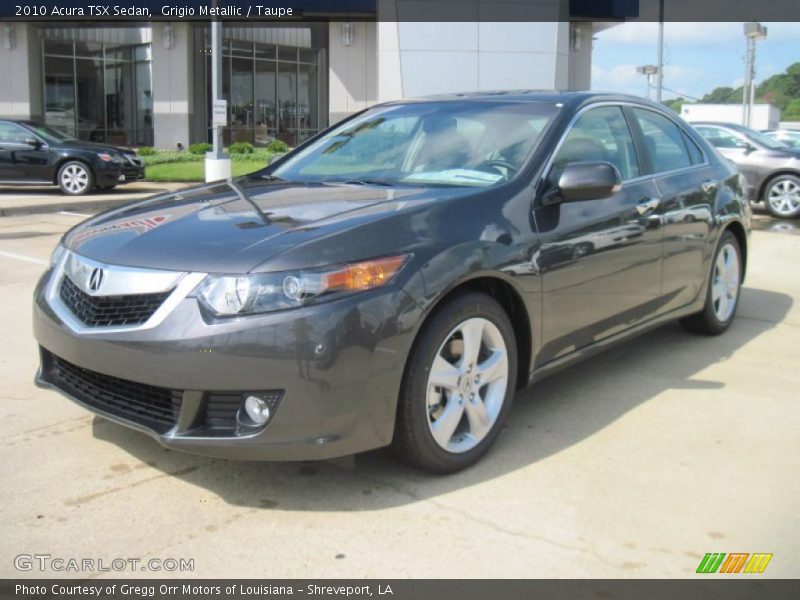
(725, 283)
(784, 197)
(467, 385)
(75, 178)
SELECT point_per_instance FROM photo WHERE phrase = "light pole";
(660, 66)
(648, 71)
(218, 163)
(752, 32)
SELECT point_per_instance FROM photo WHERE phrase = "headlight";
(229, 295)
(58, 252)
(108, 157)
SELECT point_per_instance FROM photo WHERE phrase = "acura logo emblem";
(96, 279)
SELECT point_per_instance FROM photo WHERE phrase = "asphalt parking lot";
(633, 464)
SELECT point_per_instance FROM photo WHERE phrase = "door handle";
(647, 205)
(708, 186)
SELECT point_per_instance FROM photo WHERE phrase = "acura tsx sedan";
(394, 280)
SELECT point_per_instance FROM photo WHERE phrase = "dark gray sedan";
(770, 167)
(396, 279)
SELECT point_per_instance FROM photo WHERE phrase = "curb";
(35, 209)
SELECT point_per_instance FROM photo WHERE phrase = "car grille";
(134, 160)
(154, 407)
(106, 311)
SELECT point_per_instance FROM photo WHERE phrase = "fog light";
(257, 409)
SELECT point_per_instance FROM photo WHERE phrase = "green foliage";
(241, 148)
(168, 156)
(146, 151)
(781, 90)
(278, 147)
(200, 148)
(792, 112)
(161, 157)
(675, 103)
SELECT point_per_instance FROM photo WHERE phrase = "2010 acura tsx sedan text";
(394, 280)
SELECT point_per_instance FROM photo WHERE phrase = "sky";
(697, 56)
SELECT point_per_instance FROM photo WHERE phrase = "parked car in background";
(770, 168)
(394, 280)
(34, 154)
(788, 137)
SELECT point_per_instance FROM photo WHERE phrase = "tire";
(75, 178)
(724, 290)
(782, 196)
(468, 409)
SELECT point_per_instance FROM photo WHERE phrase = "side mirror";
(588, 181)
(33, 142)
(745, 145)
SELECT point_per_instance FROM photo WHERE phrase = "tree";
(719, 95)
(792, 112)
(675, 103)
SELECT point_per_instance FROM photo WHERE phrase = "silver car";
(770, 168)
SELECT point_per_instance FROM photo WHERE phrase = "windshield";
(764, 140)
(49, 134)
(478, 143)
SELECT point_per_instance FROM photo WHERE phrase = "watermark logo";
(734, 562)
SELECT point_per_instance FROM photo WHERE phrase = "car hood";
(233, 226)
(95, 147)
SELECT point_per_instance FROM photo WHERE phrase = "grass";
(195, 171)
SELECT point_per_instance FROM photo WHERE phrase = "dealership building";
(148, 84)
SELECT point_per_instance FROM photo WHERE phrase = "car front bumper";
(337, 365)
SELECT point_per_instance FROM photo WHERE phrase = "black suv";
(34, 154)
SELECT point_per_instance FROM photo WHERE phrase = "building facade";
(148, 84)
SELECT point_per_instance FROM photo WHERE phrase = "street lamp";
(648, 71)
(752, 33)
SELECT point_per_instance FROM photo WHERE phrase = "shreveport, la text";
(82, 590)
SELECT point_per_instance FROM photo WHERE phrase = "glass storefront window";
(59, 94)
(272, 92)
(99, 92)
(242, 117)
(90, 99)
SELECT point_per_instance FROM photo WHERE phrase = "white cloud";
(624, 78)
(692, 33)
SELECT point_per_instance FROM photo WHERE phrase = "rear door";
(600, 259)
(687, 186)
(737, 149)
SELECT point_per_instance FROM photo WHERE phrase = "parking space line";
(22, 257)
(73, 214)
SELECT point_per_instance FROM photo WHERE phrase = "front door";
(19, 161)
(600, 260)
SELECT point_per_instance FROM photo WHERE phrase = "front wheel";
(782, 197)
(75, 178)
(724, 289)
(458, 385)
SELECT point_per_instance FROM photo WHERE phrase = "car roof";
(735, 126)
(18, 121)
(554, 96)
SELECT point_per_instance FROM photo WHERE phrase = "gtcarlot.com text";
(61, 564)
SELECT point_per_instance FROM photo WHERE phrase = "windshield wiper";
(365, 182)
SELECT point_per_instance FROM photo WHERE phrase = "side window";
(11, 133)
(664, 141)
(695, 154)
(600, 134)
(719, 138)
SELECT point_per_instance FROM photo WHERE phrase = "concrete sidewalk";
(28, 200)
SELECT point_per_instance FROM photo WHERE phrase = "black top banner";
(401, 10)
